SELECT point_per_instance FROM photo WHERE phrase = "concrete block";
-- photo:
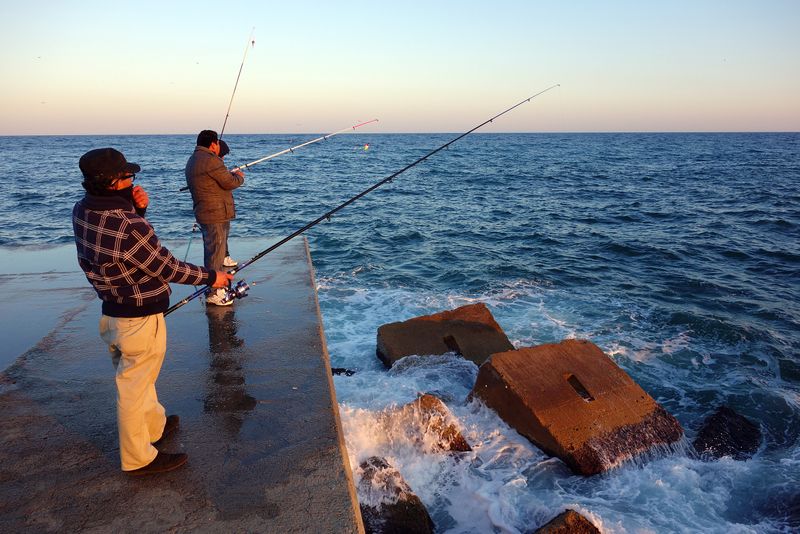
(726, 433)
(470, 331)
(569, 522)
(572, 401)
(428, 422)
(387, 503)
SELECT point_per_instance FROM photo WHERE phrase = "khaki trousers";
(137, 346)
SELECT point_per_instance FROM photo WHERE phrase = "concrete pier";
(251, 383)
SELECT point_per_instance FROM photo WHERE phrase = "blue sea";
(678, 254)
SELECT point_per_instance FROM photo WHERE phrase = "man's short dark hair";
(206, 137)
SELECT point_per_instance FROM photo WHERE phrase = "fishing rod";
(241, 288)
(322, 138)
(292, 149)
(250, 42)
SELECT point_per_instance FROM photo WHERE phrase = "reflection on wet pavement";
(226, 389)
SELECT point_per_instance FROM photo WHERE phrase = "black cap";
(105, 162)
(223, 149)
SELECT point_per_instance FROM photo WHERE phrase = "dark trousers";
(215, 243)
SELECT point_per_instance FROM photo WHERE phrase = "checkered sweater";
(124, 260)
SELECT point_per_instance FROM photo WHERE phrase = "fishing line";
(195, 227)
(292, 149)
(250, 42)
(241, 288)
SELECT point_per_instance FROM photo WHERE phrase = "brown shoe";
(173, 422)
(162, 463)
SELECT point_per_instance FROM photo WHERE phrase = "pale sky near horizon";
(92, 67)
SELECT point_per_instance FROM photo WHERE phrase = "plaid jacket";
(123, 259)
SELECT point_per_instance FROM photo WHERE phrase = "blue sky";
(85, 67)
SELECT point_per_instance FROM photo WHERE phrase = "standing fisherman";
(212, 185)
(130, 270)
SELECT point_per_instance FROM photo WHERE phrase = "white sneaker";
(229, 262)
(217, 298)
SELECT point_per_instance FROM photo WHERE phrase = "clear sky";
(145, 67)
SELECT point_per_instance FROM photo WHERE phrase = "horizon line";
(548, 132)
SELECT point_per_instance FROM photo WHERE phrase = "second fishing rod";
(241, 288)
(292, 149)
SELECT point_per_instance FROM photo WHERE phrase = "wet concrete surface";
(251, 384)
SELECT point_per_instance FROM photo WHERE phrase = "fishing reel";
(239, 291)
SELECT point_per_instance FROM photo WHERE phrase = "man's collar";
(106, 203)
(204, 149)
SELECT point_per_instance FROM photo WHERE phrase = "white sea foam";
(506, 484)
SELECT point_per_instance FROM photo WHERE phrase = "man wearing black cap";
(130, 271)
(212, 185)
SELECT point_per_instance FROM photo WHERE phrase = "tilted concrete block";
(572, 401)
(428, 422)
(469, 330)
(387, 502)
(568, 522)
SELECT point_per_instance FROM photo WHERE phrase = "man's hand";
(140, 198)
(223, 279)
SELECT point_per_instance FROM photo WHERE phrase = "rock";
(424, 419)
(388, 506)
(470, 331)
(568, 522)
(726, 433)
(572, 401)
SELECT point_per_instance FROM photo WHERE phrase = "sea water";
(677, 254)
